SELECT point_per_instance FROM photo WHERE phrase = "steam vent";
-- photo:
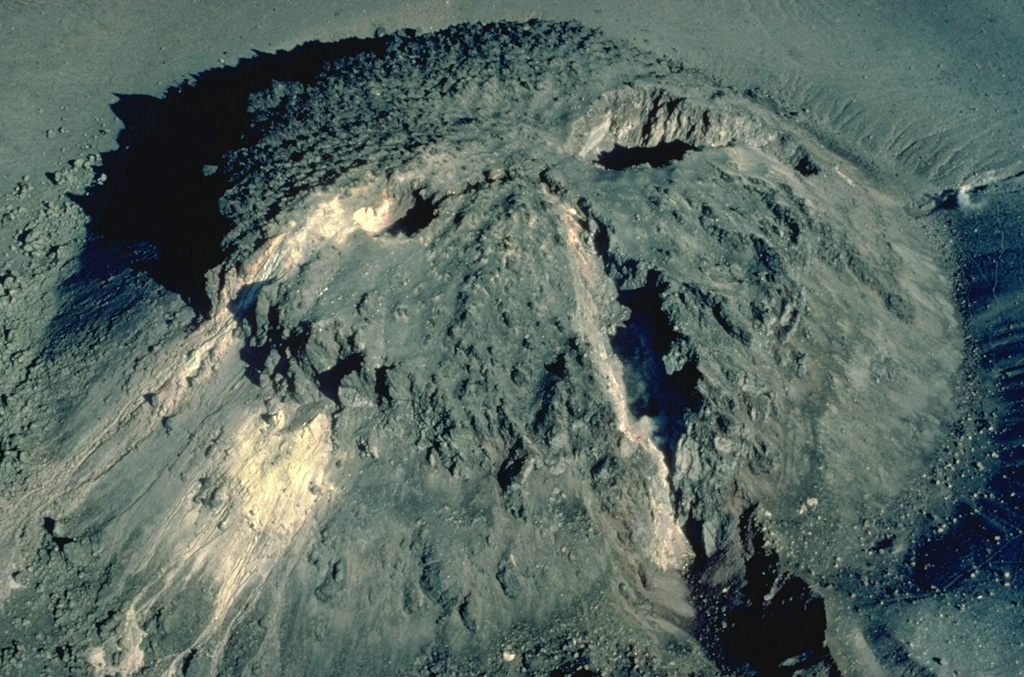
(523, 352)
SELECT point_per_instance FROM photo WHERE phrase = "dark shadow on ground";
(158, 211)
(983, 535)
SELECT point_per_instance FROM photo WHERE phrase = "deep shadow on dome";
(157, 210)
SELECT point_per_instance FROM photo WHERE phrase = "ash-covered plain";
(523, 352)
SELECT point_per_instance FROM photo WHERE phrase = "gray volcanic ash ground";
(506, 349)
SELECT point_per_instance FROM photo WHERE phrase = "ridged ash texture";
(527, 350)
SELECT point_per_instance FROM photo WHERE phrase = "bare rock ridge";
(513, 350)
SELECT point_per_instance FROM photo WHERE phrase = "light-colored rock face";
(516, 331)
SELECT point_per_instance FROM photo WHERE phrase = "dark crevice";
(255, 358)
(512, 468)
(642, 344)
(186, 662)
(416, 219)
(50, 525)
(330, 380)
(694, 532)
(381, 386)
(947, 199)
(557, 366)
(766, 621)
(805, 166)
(661, 376)
(659, 155)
